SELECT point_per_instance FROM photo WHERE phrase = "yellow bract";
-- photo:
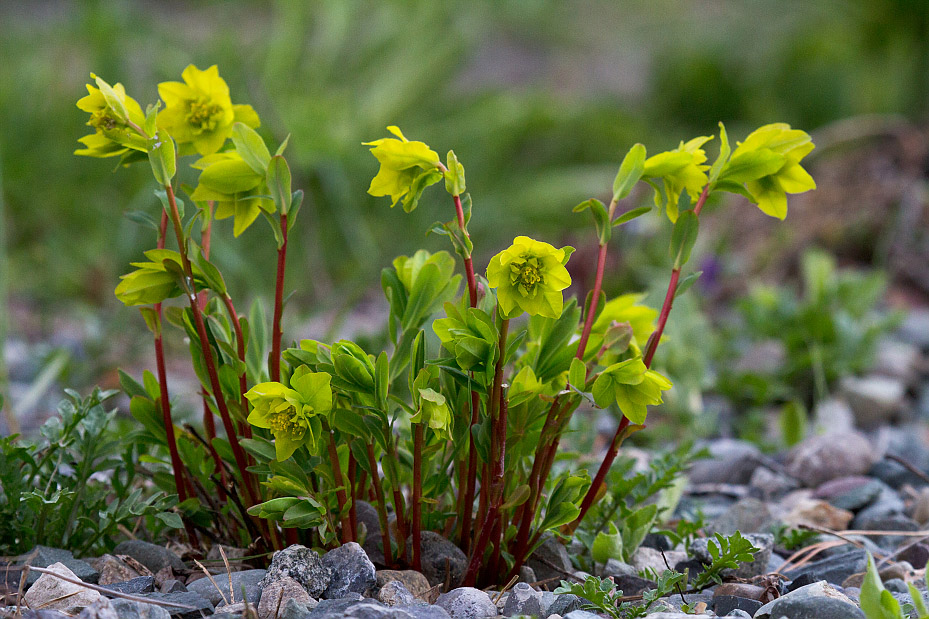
(116, 118)
(199, 112)
(682, 169)
(401, 163)
(530, 276)
(770, 192)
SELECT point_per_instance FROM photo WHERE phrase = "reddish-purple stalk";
(381, 506)
(467, 503)
(490, 527)
(591, 497)
(352, 489)
(491, 488)
(274, 366)
(180, 479)
(237, 451)
(209, 424)
(244, 428)
(340, 484)
(417, 495)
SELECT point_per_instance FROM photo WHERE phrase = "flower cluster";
(530, 276)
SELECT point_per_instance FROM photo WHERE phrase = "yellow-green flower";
(529, 276)
(112, 115)
(151, 282)
(681, 169)
(292, 414)
(632, 386)
(229, 181)
(770, 192)
(199, 112)
(406, 168)
(433, 411)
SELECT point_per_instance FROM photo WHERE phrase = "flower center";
(286, 422)
(526, 276)
(103, 120)
(202, 114)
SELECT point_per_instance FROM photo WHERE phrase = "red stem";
(650, 348)
(592, 310)
(276, 332)
(490, 522)
(352, 512)
(244, 428)
(381, 506)
(340, 494)
(237, 451)
(416, 498)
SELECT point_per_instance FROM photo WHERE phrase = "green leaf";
(211, 275)
(454, 175)
(296, 201)
(635, 527)
(577, 374)
(152, 320)
(685, 284)
(170, 519)
(162, 158)
(793, 422)
(630, 215)
(230, 177)
(382, 379)
(683, 237)
(724, 152)
(251, 148)
(419, 184)
(872, 600)
(630, 171)
(278, 180)
(752, 165)
(607, 545)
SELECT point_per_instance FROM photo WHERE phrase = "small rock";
(819, 459)
(816, 592)
(152, 556)
(614, 568)
(731, 462)
(172, 586)
(233, 554)
(738, 589)
(915, 555)
(142, 584)
(874, 400)
(123, 609)
(297, 610)
(52, 593)
(770, 485)
(200, 605)
(351, 571)
(890, 523)
(527, 574)
(276, 593)
(44, 556)
(523, 600)
(811, 608)
(112, 569)
(467, 603)
(818, 513)
(725, 604)
(833, 416)
(887, 504)
(441, 560)
(896, 585)
(747, 515)
(581, 614)
(834, 569)
(394, 593)
(414, 582)
(565, 603)
(738, 612)
(248, 580)
(646, 558)
(301, 564)
(330, 609)
(900, 360)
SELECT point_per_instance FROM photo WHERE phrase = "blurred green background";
(540, 100)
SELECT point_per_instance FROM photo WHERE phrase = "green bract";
(116, 119)
(156, 280)
(632, 386)
(780, 149)
(292, 414)
(529, 277)
(199, 112)
(236, 188)
(433, 411)
(407, 168)
(681, 169)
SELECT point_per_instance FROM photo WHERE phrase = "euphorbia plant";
(454, 428)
